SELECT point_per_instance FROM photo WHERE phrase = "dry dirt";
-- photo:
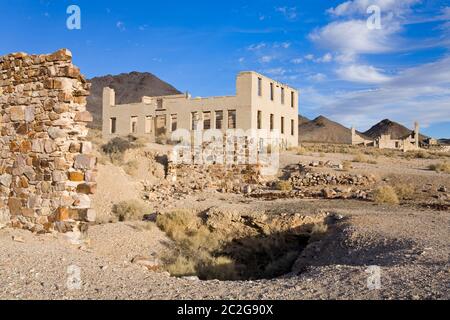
(408, 242)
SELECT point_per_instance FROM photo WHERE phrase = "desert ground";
(338, 212)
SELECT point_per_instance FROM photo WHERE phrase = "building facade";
(260, 105)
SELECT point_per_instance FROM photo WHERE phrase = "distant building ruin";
(409, 142)
(260, 105)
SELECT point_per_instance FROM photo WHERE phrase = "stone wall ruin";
(47, 172)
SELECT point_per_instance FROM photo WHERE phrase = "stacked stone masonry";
(47, 171)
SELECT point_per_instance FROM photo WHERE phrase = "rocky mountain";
(445, 142)
(129, 87)
(322, 129)
(387, 126)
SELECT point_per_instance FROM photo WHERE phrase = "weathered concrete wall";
(47, 171)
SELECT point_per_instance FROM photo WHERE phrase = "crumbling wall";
(47, 171)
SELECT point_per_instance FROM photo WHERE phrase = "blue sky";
(344, 70)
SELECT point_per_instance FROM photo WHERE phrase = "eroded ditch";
(232, 245)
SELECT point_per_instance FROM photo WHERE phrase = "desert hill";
(387, 126)
(322, 129)
(129, 87)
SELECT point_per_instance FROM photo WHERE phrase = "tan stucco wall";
(247, 103)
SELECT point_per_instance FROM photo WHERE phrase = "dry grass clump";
(346, 165)
(361, 158)
(283, 185)
(385, 194)
(196, 248)
(300, 151)
(440, 167)
(95, 136)
(131, 167)
(129, 211)
(404, 191)
(329, 148)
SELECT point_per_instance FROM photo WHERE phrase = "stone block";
(17, 113)
(84, 161)
(76, 176)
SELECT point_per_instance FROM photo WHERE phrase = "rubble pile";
(185, 179)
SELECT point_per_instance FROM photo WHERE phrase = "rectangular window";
(159, 103)
(219, 120)
(259, 120)
(206, 120)
(113, 125)
(260, 87)
(148, 124)
(194, 120)
(282, 95)
(282, 125)
(134, 122)
(292, 99)
(271, 123)
(231, 119)
(292, 127)
(271, 92)
(174, 122)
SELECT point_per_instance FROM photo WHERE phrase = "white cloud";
(290, 13)
(143, 27)
(361, 74)
(318, 77)
(266, 59)
(328, 57)
(297, 60)
(359, 7)
(309, 57)
(276, 71)
(420, 93)
(352, 37)
(120, 25)
(256, 47)
(241, 59)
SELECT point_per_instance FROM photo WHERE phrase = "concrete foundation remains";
(47, 172)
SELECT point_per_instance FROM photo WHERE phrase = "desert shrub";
(361, 158)
(300, 151)
(421, 155)
(440, 167)
(404, 191)
(129, 210)
(346, 165)
(318, 232)
(117, 145)
(283, 185)
(385, 194)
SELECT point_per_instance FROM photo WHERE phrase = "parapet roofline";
(269, 78)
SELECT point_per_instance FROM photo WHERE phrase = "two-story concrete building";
(261, 104)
